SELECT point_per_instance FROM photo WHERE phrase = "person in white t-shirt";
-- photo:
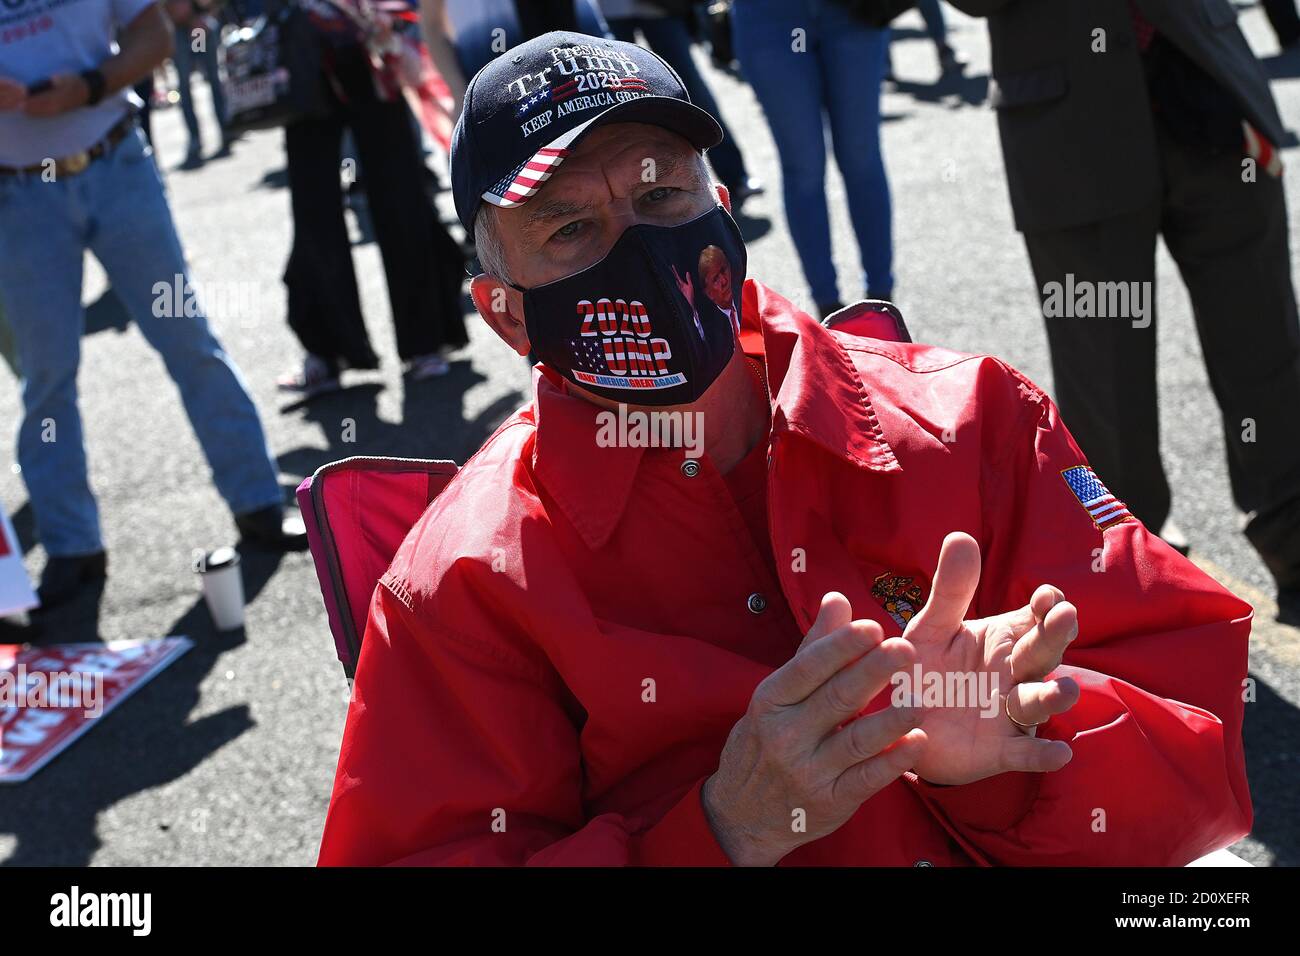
(76, 175)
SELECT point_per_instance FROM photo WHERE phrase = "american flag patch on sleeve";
(1103, 508)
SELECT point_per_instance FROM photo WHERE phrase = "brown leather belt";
(77, 162)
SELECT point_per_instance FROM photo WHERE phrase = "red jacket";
(501, 711)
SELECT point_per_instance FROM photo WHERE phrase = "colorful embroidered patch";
(898, 595)
(1103, 508)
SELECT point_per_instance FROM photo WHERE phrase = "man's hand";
(1018, 650)
(12, 94)
(66, 92)
(685, 286)
(789, 752)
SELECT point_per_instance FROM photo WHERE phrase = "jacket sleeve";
(1158, 775)
(460, 751)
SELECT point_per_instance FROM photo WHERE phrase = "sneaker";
(1173, 536)
(426, 366)
(316, 377)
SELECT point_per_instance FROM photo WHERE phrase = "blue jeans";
(184, 57)
(669, 37)
(117, 210)
(835, 77)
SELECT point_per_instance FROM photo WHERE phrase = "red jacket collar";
(816, 393)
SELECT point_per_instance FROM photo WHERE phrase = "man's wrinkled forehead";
(610, 162)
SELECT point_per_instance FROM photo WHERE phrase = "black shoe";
(1275, 535)
(63, 578)
(747, 187)
(827, 308)
(272, 528)
(1288, 606)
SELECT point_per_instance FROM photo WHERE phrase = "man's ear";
(724, 196)
(502, 308)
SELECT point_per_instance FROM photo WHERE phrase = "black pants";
(1230, 241)
(1282, 16)
(423, 265)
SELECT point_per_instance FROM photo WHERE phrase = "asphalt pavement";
(228, 756)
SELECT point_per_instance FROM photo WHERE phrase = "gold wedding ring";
(1006, 707)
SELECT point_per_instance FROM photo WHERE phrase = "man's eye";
(568, 230)
(659, 194)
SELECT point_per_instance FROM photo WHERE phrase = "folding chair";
(871, 319)
(357, 513)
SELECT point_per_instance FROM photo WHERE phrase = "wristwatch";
(96, 83)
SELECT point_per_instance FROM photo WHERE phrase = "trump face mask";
(652, 323)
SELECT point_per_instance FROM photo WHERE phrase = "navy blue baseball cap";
(527, 109)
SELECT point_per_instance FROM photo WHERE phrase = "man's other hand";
(66, 92)
(789, 758)
(12, 94)
(1016, 650)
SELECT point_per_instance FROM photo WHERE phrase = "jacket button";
(690, 468)
(757, 603)
(922, 863)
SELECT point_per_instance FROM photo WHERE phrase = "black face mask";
(626, 328)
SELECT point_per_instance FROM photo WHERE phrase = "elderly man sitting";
(827, 638)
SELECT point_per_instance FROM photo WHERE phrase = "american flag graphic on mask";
(1104, 508)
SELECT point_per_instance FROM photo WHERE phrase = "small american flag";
(1104, 508)
(587, 355)
(526, 178)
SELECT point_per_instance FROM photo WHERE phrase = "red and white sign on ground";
(15, 586)
(50, 696)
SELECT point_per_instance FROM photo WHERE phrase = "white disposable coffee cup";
(223, 588)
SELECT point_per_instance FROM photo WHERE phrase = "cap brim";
(697, 125)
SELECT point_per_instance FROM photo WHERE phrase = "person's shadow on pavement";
(1272, 735)
(431, 425)
(959, 89)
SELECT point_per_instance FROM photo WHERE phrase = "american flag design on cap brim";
(1103, 508)
(526, 178)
